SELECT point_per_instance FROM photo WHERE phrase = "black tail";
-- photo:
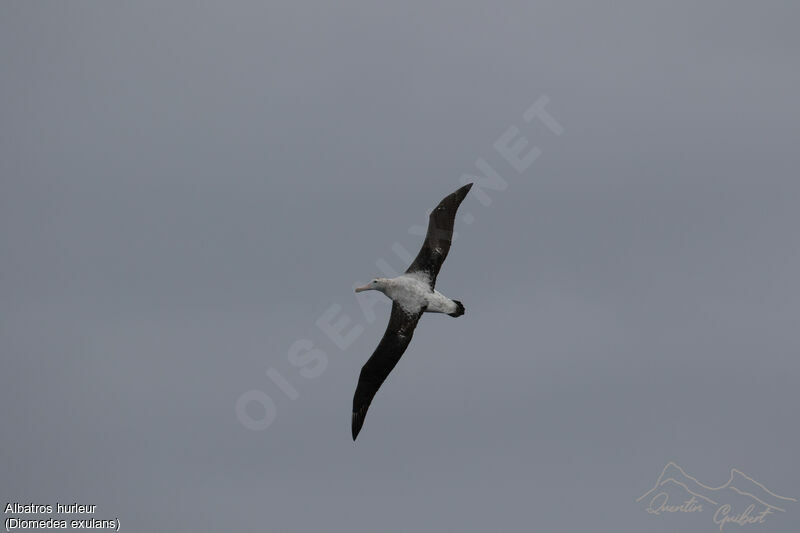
(459, 309)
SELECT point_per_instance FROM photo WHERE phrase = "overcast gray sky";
(186, 188)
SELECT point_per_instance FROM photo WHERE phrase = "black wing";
(440, 234)
(394, 342)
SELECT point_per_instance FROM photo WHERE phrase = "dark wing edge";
(392, 346)
(439, 237)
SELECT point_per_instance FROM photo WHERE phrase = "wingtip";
(462, 191)
(355, 426)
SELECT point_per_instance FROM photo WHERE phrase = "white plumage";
(413, 293)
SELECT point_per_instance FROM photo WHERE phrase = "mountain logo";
(741, 500)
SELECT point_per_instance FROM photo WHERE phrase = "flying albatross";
(412, 294)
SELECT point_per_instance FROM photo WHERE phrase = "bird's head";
(377, 284)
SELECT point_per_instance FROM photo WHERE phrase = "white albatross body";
(414, 294)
